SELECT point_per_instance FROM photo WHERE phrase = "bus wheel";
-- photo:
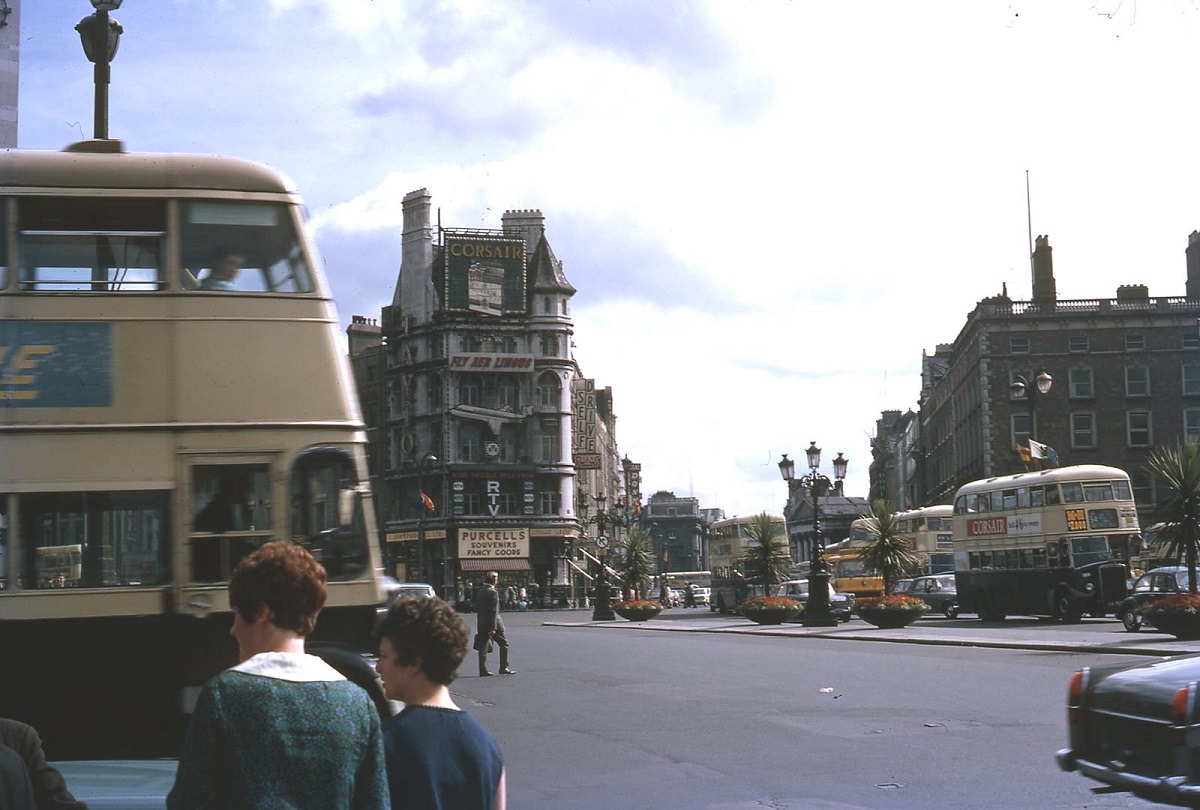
(1131, 619)
(1068, 611)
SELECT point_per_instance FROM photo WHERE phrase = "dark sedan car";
(939, 592)
(1150, 587)
(1137, 728)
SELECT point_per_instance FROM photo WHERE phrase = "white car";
(417, 590)
(703, 595)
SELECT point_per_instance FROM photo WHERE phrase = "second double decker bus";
(929, 530)
(1044, 543)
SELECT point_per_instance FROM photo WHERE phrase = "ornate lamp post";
(424, 501)
(100, 35)
(1022, 388)
(602, 612)
(817, 612)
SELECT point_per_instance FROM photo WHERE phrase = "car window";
(1143, 584)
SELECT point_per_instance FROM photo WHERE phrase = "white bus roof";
(105, 165)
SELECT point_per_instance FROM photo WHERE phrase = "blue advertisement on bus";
(56, 365)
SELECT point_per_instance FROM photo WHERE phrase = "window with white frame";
(1191, 379)
(1078, 343)
(1135, 343)
(1022, 428)
(1083, 429)
(1137, 381)
(1080, 384)
(549, 502)
(549, 390)
(1018, 345)
(1191, 423)
(1138, 428)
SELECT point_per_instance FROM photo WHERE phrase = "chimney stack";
(1193, 265)
(1044, 290)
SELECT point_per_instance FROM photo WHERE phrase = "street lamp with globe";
(817, 610)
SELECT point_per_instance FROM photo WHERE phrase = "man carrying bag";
(490, 627)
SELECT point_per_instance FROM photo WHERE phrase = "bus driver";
(224, 271)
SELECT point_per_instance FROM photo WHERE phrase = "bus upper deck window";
(1101, 492)
(91, 244)
(1072, 492)
(263, 237)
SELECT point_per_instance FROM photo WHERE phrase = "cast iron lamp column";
(602, 612)
(1022, 389)
(100, 36)
(817, 611)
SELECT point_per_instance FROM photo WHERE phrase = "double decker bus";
(731, 582)
(1044, 543)
(155, 428)
(930, 532)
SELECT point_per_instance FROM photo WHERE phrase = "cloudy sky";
(770, 209)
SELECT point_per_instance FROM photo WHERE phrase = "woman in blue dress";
(438, 756)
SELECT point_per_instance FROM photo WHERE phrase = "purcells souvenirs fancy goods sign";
(493, 543)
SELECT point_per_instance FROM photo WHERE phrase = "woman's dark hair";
(283, 576)
(427, 629)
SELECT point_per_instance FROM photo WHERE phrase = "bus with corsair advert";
(173, 394)
(1049, 543)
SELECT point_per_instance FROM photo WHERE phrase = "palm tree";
(1178, 468)
(637, 561)
(768, 560)
(889, 552)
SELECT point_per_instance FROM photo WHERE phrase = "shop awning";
(510, 564)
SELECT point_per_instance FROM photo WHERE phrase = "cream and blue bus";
(1044, 543)
(173, 393)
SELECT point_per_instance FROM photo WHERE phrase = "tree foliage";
(889, 552)
(637, 561)
(1177, 468)
(769, 560)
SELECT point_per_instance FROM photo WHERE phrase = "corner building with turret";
(472, 374)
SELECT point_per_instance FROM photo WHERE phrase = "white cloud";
(769, 208)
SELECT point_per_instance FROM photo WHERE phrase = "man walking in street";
(491, 626)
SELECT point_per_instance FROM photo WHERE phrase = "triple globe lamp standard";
(817, 610)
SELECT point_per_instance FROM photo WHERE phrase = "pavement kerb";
(1083, 640)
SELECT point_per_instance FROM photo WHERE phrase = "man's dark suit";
(487, 608)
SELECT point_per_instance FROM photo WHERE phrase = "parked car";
(1136, 727)
(842, 604)
(1150, 587)
(417, 590)
(938, 591)
(703, 595)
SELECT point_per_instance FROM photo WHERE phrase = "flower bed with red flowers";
(637, 604)
(895, 601)
(769, 603)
